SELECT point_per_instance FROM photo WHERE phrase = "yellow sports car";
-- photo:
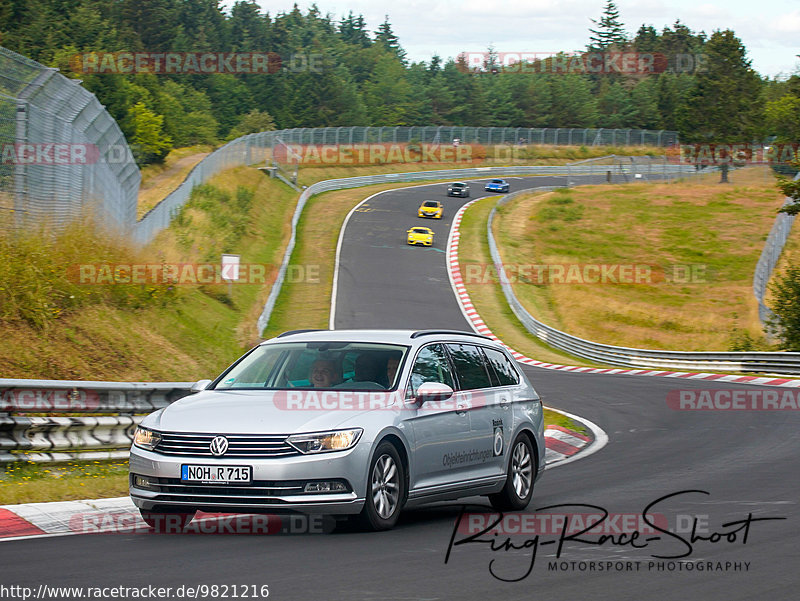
(431, 208)
(420, 235)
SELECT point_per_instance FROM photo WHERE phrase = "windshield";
(326, 365)
(497, 181)
(430, 203)
(458, 185)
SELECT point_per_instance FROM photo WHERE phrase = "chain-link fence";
(247, 150)
(773, 247)
(62, 153)
(624, 169)
(559, 136)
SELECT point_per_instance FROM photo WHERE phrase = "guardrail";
(568, 171)
(772, 362)
(76, 431)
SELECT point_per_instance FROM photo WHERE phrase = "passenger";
(324, 373)
(392, 363)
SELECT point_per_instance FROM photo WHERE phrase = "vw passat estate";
(358, 423)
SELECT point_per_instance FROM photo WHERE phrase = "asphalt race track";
(747, 462)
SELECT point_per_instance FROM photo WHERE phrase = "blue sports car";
(497, 185)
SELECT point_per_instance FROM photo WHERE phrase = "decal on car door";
(498, 437)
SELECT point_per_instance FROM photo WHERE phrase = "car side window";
(470, 366)
(431, 365)
(503, 369)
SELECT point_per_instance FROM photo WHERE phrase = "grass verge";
(38, 483)
(487, 296)
(554, 418)
(159, 179)
(55, 328)
(699, 239)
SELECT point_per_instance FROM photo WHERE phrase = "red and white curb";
(469, 311)
(562, 443)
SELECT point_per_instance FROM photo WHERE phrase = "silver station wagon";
(358, 423)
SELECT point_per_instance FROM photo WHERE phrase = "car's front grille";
(252, 446)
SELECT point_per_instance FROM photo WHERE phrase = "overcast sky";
(770, 29)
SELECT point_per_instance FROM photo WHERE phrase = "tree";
(791, 188)
(148, 142)
(388, 93)
(786, 306)
(645, 104)
(538, 112)
(503, 111)
(783, 118)
(616, 109)
(609, 32)
(723, 106)
(249, 29)
(572, 102)
(253, 122)
(353, 30)
(390, 42)
(154, 23)
(646, 39)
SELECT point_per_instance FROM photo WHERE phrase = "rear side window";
(431, 366)
(470, 366)
(503, 369)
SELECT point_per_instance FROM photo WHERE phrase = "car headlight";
(146, 439)
(325, 442)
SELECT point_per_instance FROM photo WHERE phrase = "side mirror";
(433, 391)
(200, 385)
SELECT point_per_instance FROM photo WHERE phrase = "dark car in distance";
(458, 189)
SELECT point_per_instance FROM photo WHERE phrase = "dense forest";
(333, 71)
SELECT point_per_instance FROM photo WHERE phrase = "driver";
(324, 374)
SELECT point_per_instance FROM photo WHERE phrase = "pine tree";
(386, 38)
(352, 30)
(646, 39)
(723, 106)
(610, 30)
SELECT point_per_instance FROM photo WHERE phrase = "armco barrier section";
(72, 429)
(771, 362)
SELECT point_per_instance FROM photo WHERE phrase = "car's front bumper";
(277, 483)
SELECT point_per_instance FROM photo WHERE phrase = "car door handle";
(505, 403)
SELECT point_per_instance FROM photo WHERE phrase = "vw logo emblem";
(218, 446)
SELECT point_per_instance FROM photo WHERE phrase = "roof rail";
(292, 332)
(419, 333)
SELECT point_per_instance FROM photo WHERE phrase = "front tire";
(518, 489)
(386, 483)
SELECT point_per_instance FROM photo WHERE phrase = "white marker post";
(230, 271)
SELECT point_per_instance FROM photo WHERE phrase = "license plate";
(217, 474)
